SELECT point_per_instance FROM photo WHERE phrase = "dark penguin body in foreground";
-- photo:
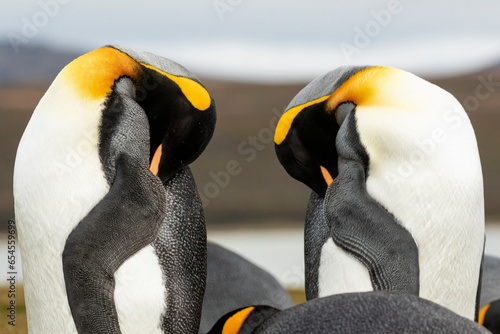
(353, 313)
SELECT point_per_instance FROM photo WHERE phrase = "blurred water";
(279, 251)
(493, 239)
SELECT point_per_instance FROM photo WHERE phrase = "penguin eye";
(299, 163)
(301, 157)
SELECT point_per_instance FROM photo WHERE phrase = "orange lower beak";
(155, 163)
(326, 175)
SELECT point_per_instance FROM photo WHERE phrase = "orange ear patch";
(92, 75)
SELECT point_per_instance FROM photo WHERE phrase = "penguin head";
(179, 110)
(305, 134)
(489, 316)
(395, 112)
(243, 320)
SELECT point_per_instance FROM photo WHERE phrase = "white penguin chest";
(339, 272)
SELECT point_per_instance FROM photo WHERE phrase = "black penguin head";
(243, 320)
(180, 112)
(310, 145)
(182, 122)
(306, 133)
(385, 100)
(489, 316)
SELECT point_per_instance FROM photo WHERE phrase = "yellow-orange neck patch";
(92, 75)
(234, 323)
(196, 94)
(364, 88)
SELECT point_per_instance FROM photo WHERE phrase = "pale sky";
(270, 40)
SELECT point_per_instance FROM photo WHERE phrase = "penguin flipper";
(362, 227)
(104, 239)
(126, 220)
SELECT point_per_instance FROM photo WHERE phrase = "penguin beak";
(326, 175)
(155, 162)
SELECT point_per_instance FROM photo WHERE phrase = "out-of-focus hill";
(263, 189)
(259, 189)
(480, 95)
(32, 64)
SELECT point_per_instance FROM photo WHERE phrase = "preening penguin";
(489, 315)
(397, 201)
(353, 313)
(107, 246)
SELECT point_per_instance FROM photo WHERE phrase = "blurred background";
(253, 57)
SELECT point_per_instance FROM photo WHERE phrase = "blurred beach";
(278, 249)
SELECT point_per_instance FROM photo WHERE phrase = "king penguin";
(397, 193)
(107, 246)
(375, 312)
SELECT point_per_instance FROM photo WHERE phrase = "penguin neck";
(181, 248)
(429, 177)
(51, 196)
